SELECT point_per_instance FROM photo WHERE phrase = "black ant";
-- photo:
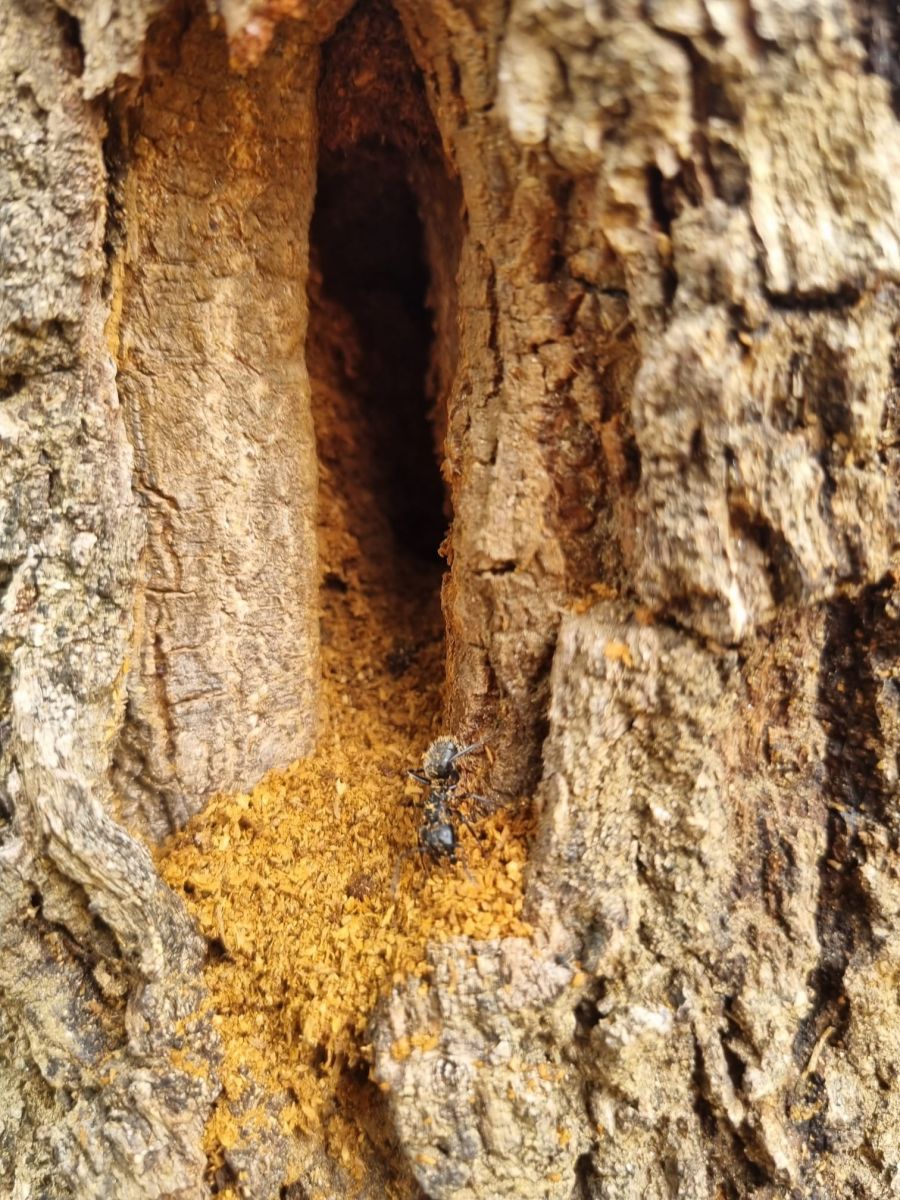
(440, 774)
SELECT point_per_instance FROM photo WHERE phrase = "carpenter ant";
(440, 774)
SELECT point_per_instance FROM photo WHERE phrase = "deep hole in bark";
(374, 343)
(368, 240)
(384, 246)
(737, 1068)
(224, 1179)
(585, 1177)
(701, 1104)
(216, 949)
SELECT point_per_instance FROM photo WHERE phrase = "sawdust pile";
(309, 888)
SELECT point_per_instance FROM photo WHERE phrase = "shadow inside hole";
(367, 237)
(216, 950)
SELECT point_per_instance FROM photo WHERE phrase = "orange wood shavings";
(618, 652)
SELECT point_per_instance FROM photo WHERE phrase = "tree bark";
(663, 248)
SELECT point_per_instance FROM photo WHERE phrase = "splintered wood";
(309, 889)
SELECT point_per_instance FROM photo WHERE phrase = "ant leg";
(468, 824)
(482, 803)
(418, 778)
(398, 868)
(461, 860)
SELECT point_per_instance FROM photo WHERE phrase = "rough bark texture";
(216, 186)
(99, 963)
(666, 310)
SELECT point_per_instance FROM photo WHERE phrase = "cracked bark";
(670, 305)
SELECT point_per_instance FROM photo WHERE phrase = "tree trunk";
(627, 274)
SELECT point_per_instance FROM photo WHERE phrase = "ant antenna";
(467, 750)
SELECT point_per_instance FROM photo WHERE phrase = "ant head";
(439, 760)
